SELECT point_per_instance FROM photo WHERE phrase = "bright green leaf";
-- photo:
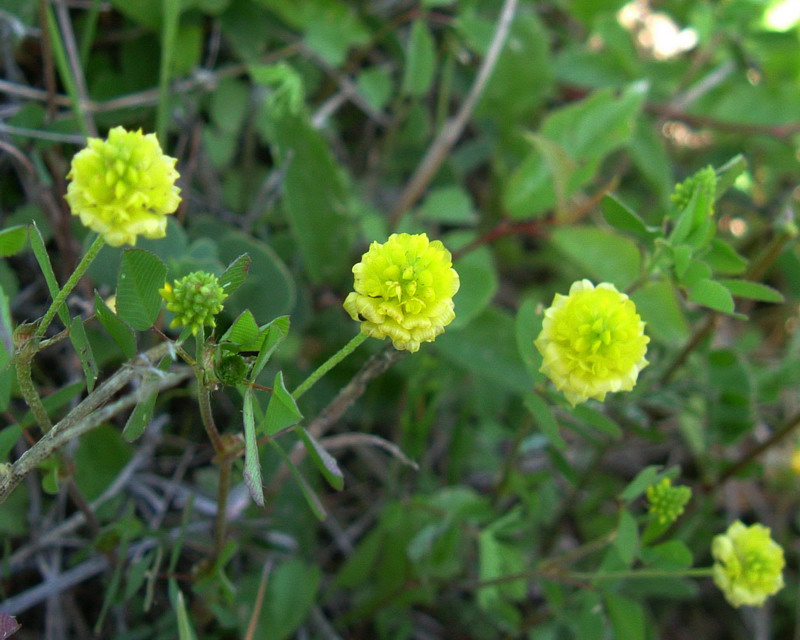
(252, 461)
(711, 294)
(544, 418)
(141, 275)
(121, 333)
(234, 276)
(323, 460)
(12, 240)
(752, 290)
(77, 335)
(420, 60)
(282, 411)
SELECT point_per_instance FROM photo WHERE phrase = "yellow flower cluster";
(404, 290)
(667, 503)
(748, 565)
(123, 187)
(592, 342)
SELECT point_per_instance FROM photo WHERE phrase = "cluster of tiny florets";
(195, 300)
(123, 187)
(404, 290)
(704, 181)
(748, 564)
(667, 503)
(592, 342)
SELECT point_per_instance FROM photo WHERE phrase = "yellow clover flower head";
(195, 300)
(592, 342)
(748, 564)
(667, 502)
(404, 290)
(123, 187)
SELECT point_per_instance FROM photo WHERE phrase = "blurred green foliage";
(297, 126)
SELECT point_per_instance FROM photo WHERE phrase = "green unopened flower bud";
(232, 369)
(704, 181)
(667, 502)
(195, 300)
(748, 564)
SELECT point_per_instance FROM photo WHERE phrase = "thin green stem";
(204, 399)
(220, 519)
(700, 572)
(28, 389)
(73, 280)
(329, 364)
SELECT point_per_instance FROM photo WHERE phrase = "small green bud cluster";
(232, 369)
(667, 502)
(704, 180)
(195, 300)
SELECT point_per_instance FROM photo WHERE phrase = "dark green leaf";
(626, 616)
(77, 335)
(233, 277)
(627, 539)
(8, 438)
(322, 459)
(598, 420)
(528, 327)
(143, 412)
(752, 290)
(243, 332)
(121, 333)
(12, 240)
(40, 252)
(621, 217)
(308, 493)
(141, 275)
(282, 411)
(420, 60)
(603, 255)
(637, 486)
(252, 461)
(544, 419)
(711, 294)
(273, 334)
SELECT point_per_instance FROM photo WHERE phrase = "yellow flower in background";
(592, 342)
(404, 290)
(795, 461)
(195, 300)
(748, 564)
(123, 187)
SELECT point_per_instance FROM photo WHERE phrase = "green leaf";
(243, 332)
(479, 284)
(711, 294)
(448, 205)
(274, 333)
(669, 555)
(603, 255)
(77, 335)
(496, 559)
(291, 593)
(252, 461)
(598, 420)
(12, 240)
(544, 419)
(141, 275)
(621, 217)
(727, 173)
(637, 486)
(627, 538)
(7, 373)
(311, 498)
(185, 629)
(723, 258)
(101, 455)
(487, 348)
(752, 290)
(233, 277)
(282, 411)
(40, 252)
(315, 197)
(8, 438)
(626, 616)
(121, 333)
(420, 60)
(528, 327)
(323, 460)
(142, 413)
(657, 304)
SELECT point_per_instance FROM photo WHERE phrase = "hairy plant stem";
(73, 280)
(26, 387)
(329, 364)
(220, 519)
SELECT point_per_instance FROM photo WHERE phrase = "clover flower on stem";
(592, 342)
(195, 300)
(404, 290)
(123, 187)
(748, 564)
